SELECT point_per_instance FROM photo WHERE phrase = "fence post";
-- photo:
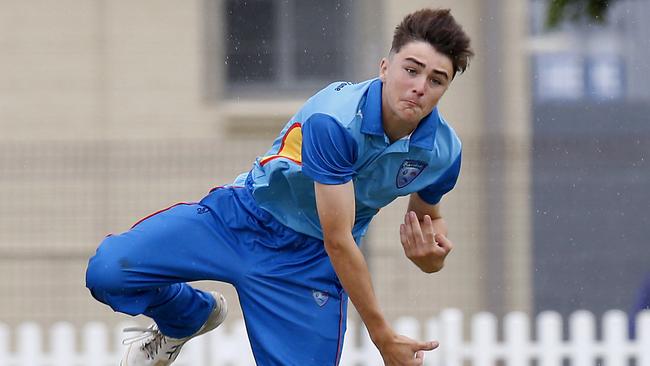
(30, 344)
(4, 344)
(358, 348)
(615, 337)
(409, 327)
(229, 346)
(116, 339)
(62, 344)
(451, 337)
(350, 345)
(517, 339)
(95, 343)
(643, 338)
(193, 353)
(220, 346)
(432, 332)
(369, 353)
(549, 336)
(582, 331)
(484, 345)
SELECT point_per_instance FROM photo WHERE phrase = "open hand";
(425, 248)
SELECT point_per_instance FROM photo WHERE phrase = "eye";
(435, 81)
(410, 71)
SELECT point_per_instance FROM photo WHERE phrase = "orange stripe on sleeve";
(290, 148)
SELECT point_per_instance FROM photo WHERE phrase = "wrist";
(381, 335)
(431, 267)
(426, 265)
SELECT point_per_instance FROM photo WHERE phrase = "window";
(581, 61)
(559, 76)
(287, 45)
(606, 77)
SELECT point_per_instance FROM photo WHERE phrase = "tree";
(575, 10)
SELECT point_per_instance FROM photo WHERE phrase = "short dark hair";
(438, 28)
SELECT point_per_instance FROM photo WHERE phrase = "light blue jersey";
(265, 239)
(338, 136)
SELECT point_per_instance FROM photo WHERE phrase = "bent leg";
(144, 270)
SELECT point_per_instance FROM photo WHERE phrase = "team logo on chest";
(409, 170)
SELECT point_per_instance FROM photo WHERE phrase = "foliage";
(575, 10)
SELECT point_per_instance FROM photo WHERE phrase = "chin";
(412, 118)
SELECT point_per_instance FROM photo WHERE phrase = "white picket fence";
(484, 346)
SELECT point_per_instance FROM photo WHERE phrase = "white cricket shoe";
(152, 348)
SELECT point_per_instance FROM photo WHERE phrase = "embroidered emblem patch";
(409, 170)
(320, 297)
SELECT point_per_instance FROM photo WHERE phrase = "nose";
(419, 85)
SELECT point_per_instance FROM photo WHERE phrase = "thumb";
(419, 355)
(442, 241)
(428, 346)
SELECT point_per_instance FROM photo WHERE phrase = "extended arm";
(424, 235)
(335, 204)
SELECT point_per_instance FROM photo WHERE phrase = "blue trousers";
(293, 304)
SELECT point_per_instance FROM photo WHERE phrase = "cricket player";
(286, 233)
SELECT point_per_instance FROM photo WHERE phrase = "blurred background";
(112, 110)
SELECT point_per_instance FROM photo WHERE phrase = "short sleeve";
(328, 150)
(433, 193)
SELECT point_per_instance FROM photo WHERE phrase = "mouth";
(411, 103)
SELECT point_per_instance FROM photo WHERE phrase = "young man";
(286, 234)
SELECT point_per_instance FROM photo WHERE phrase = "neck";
(394, 131)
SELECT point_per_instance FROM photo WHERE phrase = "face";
(415, 78)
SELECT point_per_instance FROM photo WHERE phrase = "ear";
(383, 66)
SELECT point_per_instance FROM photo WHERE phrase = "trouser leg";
(145, 270)
(294, 308)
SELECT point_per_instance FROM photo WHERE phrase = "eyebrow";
(419, 63)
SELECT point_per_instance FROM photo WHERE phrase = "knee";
(106, 269)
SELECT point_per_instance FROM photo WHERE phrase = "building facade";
(111, 110)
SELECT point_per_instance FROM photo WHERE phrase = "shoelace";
(154, 339)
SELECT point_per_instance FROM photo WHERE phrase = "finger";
(419, 358)
(415, 227)
(408, 229)
(403, 237)
(427, 230)
(443, 242)
(427, 346)
(419, 355)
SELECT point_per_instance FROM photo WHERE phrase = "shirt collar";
(423, 136)
(371, 110)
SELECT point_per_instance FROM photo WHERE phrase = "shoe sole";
(223, 312)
